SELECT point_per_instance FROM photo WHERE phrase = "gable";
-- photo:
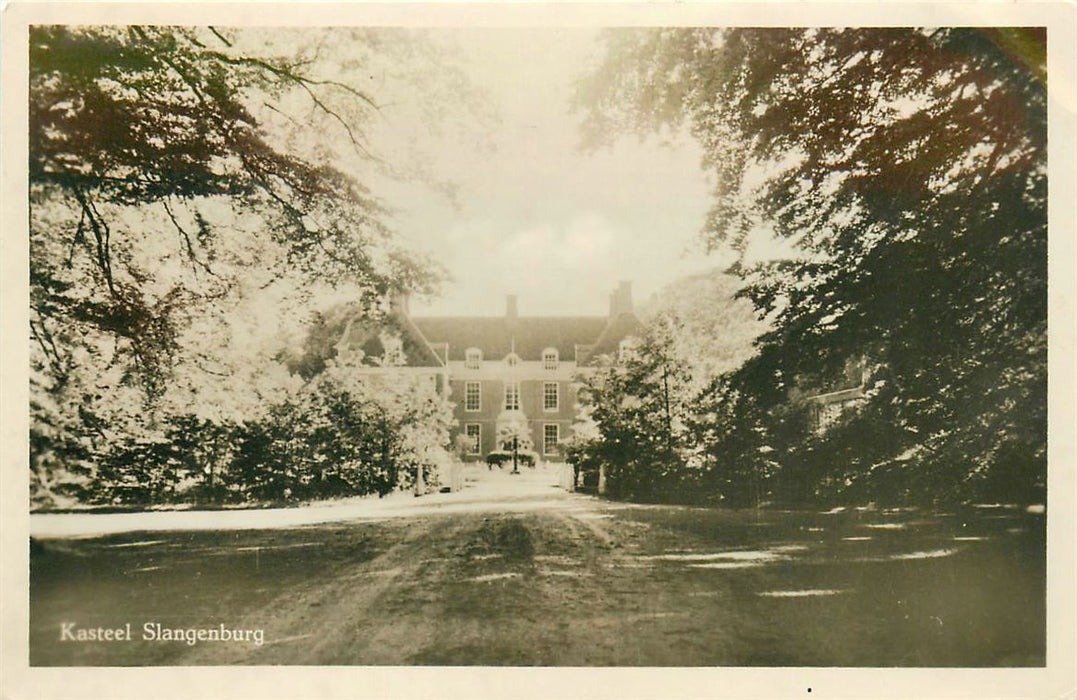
(366, 335)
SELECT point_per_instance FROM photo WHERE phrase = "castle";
(509, 370)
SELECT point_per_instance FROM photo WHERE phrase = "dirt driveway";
(515, 571)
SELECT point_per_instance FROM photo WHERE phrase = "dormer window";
(472, 358)
(550, 359)
(512, 360)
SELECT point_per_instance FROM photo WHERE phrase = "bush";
(524, 458)
(325, 441)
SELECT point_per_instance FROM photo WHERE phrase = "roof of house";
(617, 330)
(367, 337)
(497, 336)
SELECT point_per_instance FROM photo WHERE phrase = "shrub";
(524, 458)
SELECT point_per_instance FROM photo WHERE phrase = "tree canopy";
(144, 133)
(908, 166)
(640, 407)
(189, 187)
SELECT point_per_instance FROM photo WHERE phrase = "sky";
(535, 216)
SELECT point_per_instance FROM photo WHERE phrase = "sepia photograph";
(617, 345)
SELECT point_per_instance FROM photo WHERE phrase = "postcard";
(571, 350)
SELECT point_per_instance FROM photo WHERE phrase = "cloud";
(588, 242)
(539, 218)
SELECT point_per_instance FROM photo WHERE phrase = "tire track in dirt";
(556, 587)
(339, 619)
(639, 613)
(502, 610)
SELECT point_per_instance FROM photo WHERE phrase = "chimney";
(621, 300)
(510, 307)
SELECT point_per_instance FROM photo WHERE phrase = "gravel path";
(515, 571)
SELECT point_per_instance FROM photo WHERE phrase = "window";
(626, 349)
(550, 358)
(551, 434)
(474, 434)
(472, 358)
(512, 360)
(472, 396)
(512, 396)
(549, 396)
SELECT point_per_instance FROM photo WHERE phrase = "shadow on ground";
(574, 581)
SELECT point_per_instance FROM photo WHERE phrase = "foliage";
(499, 458)
(514, 428)
(908, 167)
(462, 446)
(642, 405)
(191, 189)
(133, 122)
(342, 434)
(182, 461)
(701, 322)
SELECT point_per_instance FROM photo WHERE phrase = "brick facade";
(543, 356)
(534, 353)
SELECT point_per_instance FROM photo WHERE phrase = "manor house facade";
(511, 368)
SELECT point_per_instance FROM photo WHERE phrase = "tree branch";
(306, 82)
(292, 76)
(48, 346)
(102, 236)
(220, 36)
(196, 263)
(80, 236)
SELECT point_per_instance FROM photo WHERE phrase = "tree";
(643, 402)
(346, 432)
(133, 119)
(405, 424)
(705, 326)
(514, 434)
(637, 404)
(176, 192)
(908, 166)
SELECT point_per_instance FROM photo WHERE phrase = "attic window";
(512, 360)
(472, 358)
(550, 358)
